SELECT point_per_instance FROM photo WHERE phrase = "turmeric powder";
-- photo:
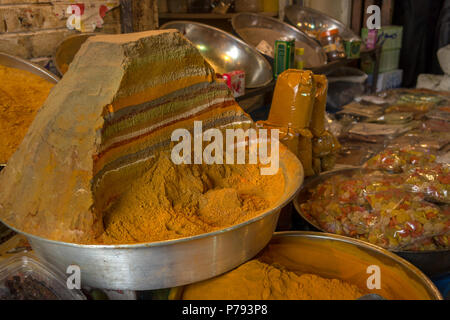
(21, 95)
(174, 201)
(257, 280)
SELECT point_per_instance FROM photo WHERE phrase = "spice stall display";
(130, 168)
(103, 147)
(129, 198)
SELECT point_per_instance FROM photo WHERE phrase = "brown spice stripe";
(118, 115)
(104, 153)
(109, 132)
(147, 152)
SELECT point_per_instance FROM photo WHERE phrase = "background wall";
(32, 29)
(340, 10)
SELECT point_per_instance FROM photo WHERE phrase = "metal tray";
(165, 264)
(225, 52)
(333, 256)
(431, 262)
(254, 28)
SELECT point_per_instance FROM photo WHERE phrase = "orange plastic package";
(299, 141)
(317, 126)
(293, 99)
(325, 144)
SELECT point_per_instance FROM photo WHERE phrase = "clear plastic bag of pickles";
(373, 206)
(419, 171)
(397, 159)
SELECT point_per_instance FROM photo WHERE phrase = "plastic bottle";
(332, 44)
(298, 60)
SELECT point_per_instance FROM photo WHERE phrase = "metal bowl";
(164, 264)
(67, 49)
(347, 259)
(254, 28)
(19, 63)
(312, 22)
(431, 262)
(225, 52)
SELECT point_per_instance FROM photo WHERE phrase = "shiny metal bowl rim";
(335, 21)
(54, 77)
(294, 29)
(315, 225)
(72, 36)
(291, 196)
(256, 52)
(358, 243)
(307, 39)
(365, 245)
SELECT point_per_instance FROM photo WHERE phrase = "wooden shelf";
(197, 16)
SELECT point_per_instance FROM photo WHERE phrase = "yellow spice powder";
(173, 201)
(256, 280)
(21, 95)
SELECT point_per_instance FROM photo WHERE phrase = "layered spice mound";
(91, 168)
(21, 95)
(173, 201)
(258, 280)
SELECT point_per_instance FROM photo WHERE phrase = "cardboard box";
(235, 80)
(388, 80)
(389, 61)
(390, 36)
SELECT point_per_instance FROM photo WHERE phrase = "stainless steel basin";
(164, 264)
(255, 28)
(225, 52)
(347, 259)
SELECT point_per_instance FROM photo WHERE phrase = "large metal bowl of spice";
(164, 264)
(313, 259)
(432, 262)
(225, 52)
(261, 32)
